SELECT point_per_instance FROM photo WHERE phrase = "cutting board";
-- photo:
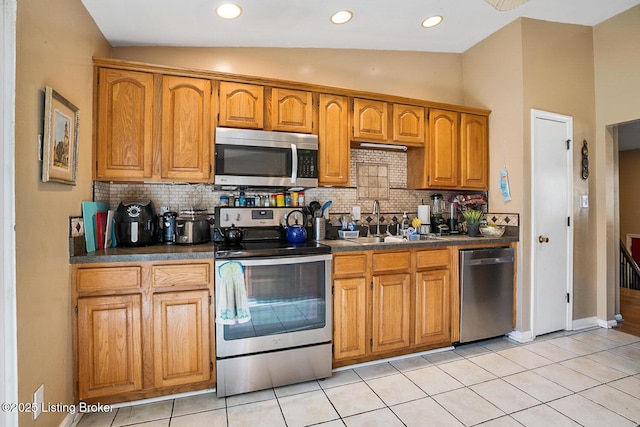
(89, 210)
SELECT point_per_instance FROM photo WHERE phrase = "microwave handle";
(294, 163)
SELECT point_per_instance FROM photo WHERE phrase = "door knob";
(543, 239)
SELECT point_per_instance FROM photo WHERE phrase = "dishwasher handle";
(488, 261)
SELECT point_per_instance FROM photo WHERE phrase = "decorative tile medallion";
(373, 181)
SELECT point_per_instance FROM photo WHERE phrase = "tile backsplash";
(375, 174)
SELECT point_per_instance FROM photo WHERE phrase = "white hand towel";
(232, 305)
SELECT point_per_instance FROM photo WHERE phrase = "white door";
(551, 135)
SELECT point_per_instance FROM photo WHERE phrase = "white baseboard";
(587, 322)
(521, 337)
(607, 323)
(72, 418)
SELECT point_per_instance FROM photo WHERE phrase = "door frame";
(8, 324)
(568, 120)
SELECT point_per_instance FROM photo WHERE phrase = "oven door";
(289, 303)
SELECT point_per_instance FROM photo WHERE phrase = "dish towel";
(232, 305)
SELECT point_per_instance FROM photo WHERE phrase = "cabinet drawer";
(180, 275)
(108, 278)
(349, 264)
(391, 261)
(437, 258)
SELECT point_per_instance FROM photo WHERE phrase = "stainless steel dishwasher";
(486, 293)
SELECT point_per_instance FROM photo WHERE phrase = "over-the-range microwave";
(245, 157)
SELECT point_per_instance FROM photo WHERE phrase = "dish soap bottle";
(404, 225)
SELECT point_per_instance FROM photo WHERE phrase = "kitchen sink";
(383, 238)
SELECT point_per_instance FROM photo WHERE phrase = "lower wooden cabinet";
(349, 317)
(432, 307)
(391, 294)
(150, 337)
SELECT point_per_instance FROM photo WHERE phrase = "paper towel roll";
(424, 214)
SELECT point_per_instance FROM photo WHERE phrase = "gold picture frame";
(60, 145)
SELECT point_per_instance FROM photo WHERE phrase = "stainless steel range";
(288, 298)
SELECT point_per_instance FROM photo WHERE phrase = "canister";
(294, 198)
(280, 199)
(224, 200)
(319, 228)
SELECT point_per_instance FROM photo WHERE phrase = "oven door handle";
(278, 261)
(294, 163)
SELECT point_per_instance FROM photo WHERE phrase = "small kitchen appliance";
(168, 227)
(135, 223)
(438, 222)
(193, 227)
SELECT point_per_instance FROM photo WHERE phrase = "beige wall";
(617, 86)
(423, 75)
(629, 168)
(55, 43)
(547, 66)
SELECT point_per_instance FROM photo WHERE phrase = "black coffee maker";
(438, 222)
(135, 223)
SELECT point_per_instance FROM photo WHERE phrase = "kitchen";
(34, 298)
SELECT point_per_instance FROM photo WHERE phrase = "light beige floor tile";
(615, 400)
(593, 369)
(442, 357)
(307, 408)
(410, 363)
(498, 365)
(97, 419)
(380, 418)
(550, 351)
(505, 396)
(155, 423)
(395, 389)
(136, 414)
(595, 340)
(265, 413)
(425, 413)
(467, 406)
(543, 416)
(498, 344)
(629, 351)
(505, 421)
(466, 372)
(567, 378)
(198, 403)
(433, 380)
(339, 378)
(353, 399)
(376, 371)
(470, 350)
(254, 396)
(573, 345)
(289, 390)
(615, 335)
(336, 423)
(524, 357)
(537, 386)
(588, 413)
(630, 385)
(624, 364)
(209, 418)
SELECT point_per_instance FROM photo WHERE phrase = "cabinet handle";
(543, 239)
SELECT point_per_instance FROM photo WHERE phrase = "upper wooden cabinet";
(124, 125)
(291, 110)
(408, 124)
(186, 129)
(442, 149)
(333, 141)
(474, 152)
(370, 120)
(241, 105)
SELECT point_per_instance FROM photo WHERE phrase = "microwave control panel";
(308, 164)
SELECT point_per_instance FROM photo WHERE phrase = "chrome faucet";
(376, 211)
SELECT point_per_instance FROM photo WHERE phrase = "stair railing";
(629, 270)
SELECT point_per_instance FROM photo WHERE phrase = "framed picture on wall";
(60, 144)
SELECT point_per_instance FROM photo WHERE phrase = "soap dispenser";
(404, 225)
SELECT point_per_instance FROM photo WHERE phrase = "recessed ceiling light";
(342, 17)
(228, 11)
(432, 21)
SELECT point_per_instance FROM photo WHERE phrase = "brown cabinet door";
(391, 305)
(474, 152)
(109, 345)
(432, 307)
(333, 141)
(186, 129)
(181, 337)
(370, 120)
(291, 110)
(349, 317)
(408, 124)
(241, 105)
(124, 144)
(443, 150)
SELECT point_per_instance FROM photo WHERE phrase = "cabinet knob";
(543, 239)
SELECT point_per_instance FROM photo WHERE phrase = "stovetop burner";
(271, 248)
